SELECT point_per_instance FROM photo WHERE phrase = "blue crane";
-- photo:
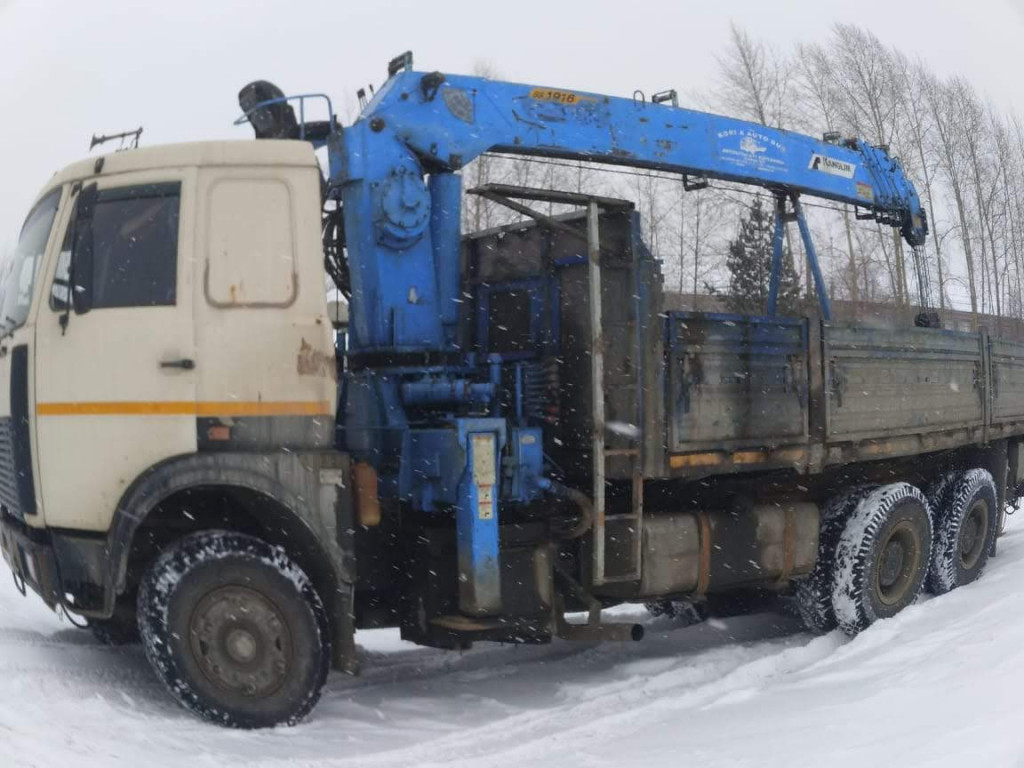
(414, 403)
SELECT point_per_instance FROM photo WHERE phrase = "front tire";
(966, 525)
(235, 630)
(882, 557)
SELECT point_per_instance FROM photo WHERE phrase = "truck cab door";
(115, 352)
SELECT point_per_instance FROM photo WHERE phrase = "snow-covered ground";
(941, 684)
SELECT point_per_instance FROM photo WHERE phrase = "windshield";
(19, 274)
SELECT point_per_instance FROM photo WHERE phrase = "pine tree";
(750, 267)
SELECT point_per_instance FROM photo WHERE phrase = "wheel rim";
(240, 641)
(973, 534)
(897, 563)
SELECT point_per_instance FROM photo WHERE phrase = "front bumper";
(29, 555)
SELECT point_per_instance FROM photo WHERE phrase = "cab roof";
(200, 153)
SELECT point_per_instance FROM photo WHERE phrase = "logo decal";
(749, 144)
(752, 150)
(830, 165)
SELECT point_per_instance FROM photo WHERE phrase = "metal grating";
(9, 497)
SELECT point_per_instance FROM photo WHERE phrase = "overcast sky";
(72, 68)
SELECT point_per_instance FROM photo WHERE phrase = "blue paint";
(812, 261)
(440, 390)
(446, 233)
(777, 238)
(476, 519)
(525, 465)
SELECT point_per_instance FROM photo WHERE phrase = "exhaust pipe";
(600, 633)
(594, 631)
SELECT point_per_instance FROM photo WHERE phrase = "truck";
(511, 434)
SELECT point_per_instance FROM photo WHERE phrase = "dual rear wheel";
(879, 546)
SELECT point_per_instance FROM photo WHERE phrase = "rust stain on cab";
(313, 362)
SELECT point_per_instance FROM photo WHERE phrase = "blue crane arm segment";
(429, 123)
(461, 117)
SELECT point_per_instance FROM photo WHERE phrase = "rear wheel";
(814, 593)
(235, 630)
(882, 556)
(966, 524)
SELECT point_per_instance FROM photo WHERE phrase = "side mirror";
(81, 270)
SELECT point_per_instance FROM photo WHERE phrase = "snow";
(938, 685)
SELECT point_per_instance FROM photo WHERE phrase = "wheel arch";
(264, 505)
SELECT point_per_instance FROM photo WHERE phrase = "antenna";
(124, 137)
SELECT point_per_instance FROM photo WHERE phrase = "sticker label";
(485, 474)
(485, 502)
(832, 166)
(483, 460)
(559, 97)
(752, 150)
(865, 192)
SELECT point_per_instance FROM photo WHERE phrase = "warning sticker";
(485, 502)
(831, 165)
(484, 473)
(865, 192)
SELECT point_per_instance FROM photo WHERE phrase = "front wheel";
(235, 630)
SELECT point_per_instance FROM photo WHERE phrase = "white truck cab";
(167, 366)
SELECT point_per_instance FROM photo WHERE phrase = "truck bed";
(756, 392)
(705, 394)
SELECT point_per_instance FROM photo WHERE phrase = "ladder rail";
(596, 387)
(599, 416)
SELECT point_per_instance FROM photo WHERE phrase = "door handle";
(185, 363)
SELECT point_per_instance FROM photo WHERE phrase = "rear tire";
(235, 630)
(814, 593)
(882, 557)
(966, 525)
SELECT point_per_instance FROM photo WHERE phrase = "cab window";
(135, 248)
(19, 275)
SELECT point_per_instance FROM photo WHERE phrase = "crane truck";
(514, 432)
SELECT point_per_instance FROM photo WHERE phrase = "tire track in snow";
(610, 709)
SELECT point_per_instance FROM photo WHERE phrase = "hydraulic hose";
(580, 499)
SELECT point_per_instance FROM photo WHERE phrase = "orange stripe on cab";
(186, 408)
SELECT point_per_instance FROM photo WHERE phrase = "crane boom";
(454, 119)
(395, 171)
